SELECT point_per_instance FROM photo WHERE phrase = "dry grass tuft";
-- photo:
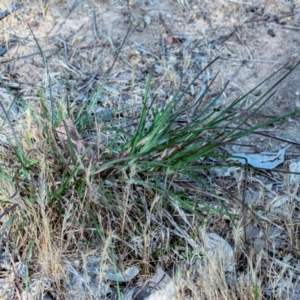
(78, 197)
(143, 186)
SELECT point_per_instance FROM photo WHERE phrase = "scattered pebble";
(147, 19)
(169, 16)
(287, 8)
(169, 40)
(158, 69)
(104, 114)
(259, 245)
(140, 26)
(271, 32)
(58, 12)
(133, 3)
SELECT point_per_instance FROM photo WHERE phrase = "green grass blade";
(48, 76)
(28, 257)
(141, 126)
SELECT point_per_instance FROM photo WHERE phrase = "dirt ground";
(79, 40)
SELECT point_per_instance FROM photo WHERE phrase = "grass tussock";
(139, 192)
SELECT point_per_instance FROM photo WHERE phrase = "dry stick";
(103, 44)
(66, 51)
(269, 19)
(291, 27)
(65, 20)
(163, 47)
(276, 19)
(297, 21)
(56, 50)
(27, 55)
(6, 211)
(17, 280)
(253, 60)
(244, 44)
(168, 30)
(221, 38)
(119, 51)
(4, 13)
(203, 90)
(95, 29)
(140, 289)
(264, 134)
(89, 82)
(244, 207)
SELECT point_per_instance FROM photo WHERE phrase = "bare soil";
(80, 39)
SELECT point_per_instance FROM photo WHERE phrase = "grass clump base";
(136, 192)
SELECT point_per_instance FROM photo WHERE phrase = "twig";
(6, 211)
(168, 30)
(16, 280)
(221, 38)
(253, 60)
(244, 206)
(163, 47)
(26, 56)
(277, 18)
(66, 51)
(267, 18)
(4, 13)
(140, 289)
(95, 29)
(119, 51)
(291, 27)
(244, 44)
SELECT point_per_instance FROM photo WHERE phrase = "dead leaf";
(219, 250)
(266, 160)
(76, 141)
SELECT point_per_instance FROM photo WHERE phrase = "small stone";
(169, 40)
(271, 32)
(3, 50)
(140, 26)
(101, 99)
(58, 12)
(82, 97)
(287, 8)
(133, 3)
(104, 114)
(259, 245)
(169, 16)
(257, 92)
(147, 19)
(158, 69)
